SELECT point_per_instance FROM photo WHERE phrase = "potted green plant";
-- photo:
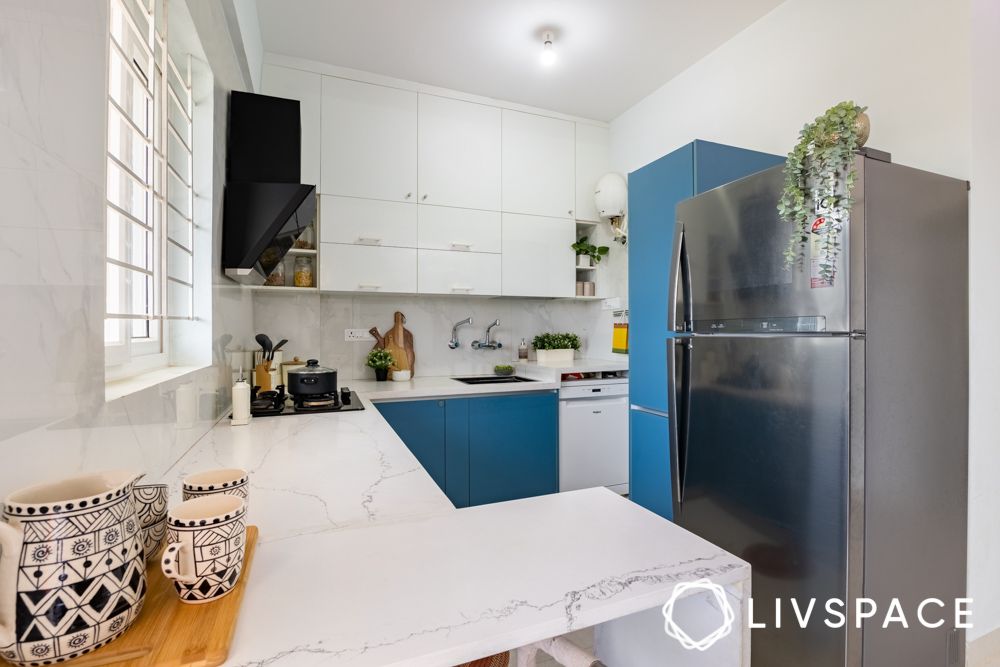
(555, 349)
(818, 192)
(588, 254)
(380, 359)
(503, 369)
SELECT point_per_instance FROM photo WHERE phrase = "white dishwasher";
(593, 434)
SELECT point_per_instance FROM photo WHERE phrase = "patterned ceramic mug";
(151, 506)
(230, 481)
(207, 541)
(72, 567)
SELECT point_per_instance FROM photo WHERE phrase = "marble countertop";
(364, 561)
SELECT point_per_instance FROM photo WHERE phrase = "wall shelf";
(283, 288)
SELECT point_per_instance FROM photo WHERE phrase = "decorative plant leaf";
(820, 168)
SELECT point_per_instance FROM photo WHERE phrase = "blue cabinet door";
(456, 451)
(650, 481)
(421, 426)
(513, 447)
(653, 192)
(718, 164)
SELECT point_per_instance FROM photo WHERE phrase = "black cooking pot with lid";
(312, 379)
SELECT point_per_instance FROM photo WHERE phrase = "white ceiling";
(611, 53)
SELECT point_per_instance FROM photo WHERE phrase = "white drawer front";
(462, 229)
(449, 272)
(360, 268)
(368, 222)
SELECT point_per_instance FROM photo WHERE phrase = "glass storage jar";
(304, 272)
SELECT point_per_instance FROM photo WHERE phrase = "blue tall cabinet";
(653, 194)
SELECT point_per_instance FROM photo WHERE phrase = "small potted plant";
(380, 359)
(555, 349)
(588, 254)
(503, 369)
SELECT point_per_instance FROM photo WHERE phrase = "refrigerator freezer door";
(766, 478)
(734, 245)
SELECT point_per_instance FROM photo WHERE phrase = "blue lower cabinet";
(513, 447)
(483, 450)
(421, 425)
(650, 481)
(456, 451)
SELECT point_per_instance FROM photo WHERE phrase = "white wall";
(54, 419)
(934, 105)
(908, 61)
(253, 44)
(984, 316)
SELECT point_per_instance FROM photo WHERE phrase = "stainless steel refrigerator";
(819, 430)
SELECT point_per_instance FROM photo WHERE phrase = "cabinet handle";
(409, 194)
(424, 198)
(461, 289)
(461, 246)
(570, 211)
(369, 287)
(368, 240)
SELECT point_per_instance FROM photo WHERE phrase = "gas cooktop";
(276, 403)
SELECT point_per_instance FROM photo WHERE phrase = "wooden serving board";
(169, 632)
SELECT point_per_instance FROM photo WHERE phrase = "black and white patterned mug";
(206, 545)
(229, 481)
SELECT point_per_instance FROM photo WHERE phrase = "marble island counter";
(364, 561)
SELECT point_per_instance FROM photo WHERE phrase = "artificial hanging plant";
(819, 181)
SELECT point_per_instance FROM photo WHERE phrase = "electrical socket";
(357, 335)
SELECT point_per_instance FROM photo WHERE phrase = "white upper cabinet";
(593, 160)
(369, 139)
(306, 87)
(367, 222)
(538, 165)
(360, 268)
(458, 153)
(443, 272)
(461, 229)
(537, 258)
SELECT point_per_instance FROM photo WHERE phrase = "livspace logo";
(930, 613)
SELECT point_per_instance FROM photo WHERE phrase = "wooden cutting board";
(399, 342)
(169, 632)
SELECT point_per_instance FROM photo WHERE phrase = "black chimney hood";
(265, 206)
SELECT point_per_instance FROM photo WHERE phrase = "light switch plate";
(357, 335)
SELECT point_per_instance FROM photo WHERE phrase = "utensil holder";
(262, 376)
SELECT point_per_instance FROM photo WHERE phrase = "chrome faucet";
(453, 343)
(488, 344)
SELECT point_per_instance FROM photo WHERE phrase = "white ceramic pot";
(584, 261)
(401, 376)
(554, 357)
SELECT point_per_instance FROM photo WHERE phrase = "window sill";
(120, 388)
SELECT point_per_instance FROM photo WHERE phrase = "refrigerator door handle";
(688, 288)
(679, 403)
(675, 278)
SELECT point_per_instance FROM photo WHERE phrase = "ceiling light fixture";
(548, 56)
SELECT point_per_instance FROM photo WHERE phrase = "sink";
(494, 379)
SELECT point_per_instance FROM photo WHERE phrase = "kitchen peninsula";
(364, 561)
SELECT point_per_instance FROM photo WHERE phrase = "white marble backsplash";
(314, 325)
(54, 419)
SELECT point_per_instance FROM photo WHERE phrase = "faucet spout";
(454, 342)
(487, 343)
